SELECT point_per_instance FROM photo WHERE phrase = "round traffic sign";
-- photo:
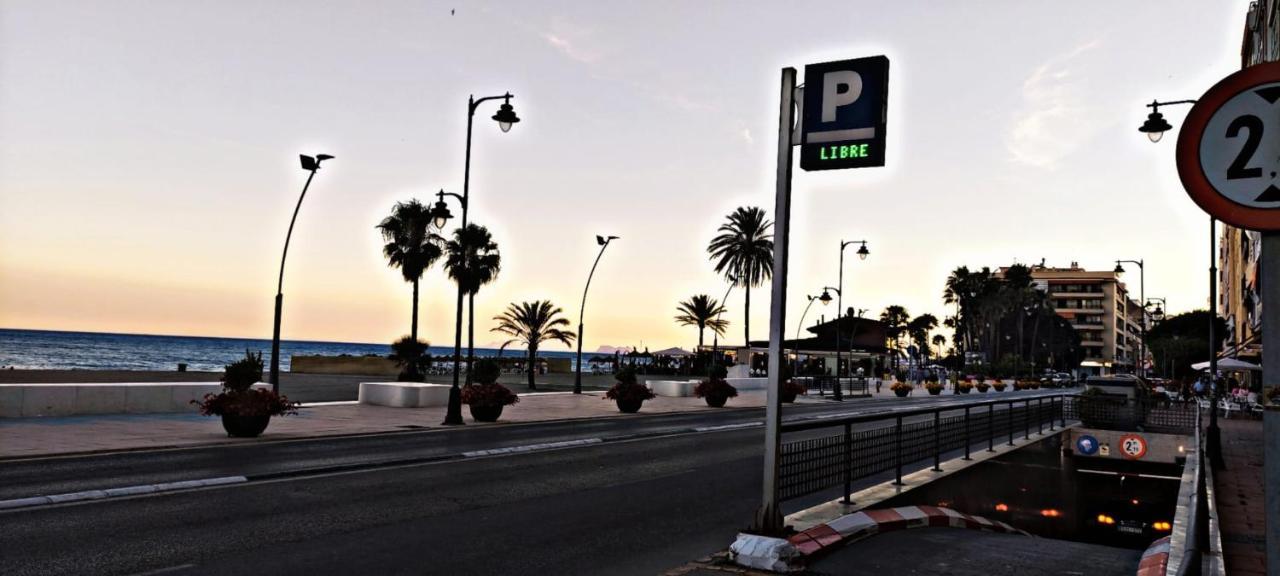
(1087, 445)
(1133, 447)
(1229, 149)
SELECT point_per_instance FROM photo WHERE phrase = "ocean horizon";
(27, 349)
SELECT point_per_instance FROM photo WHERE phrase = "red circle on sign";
(1188, 154)
(1139, 445)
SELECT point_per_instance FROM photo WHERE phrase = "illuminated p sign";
(844, 113)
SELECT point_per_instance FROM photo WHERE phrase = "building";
(1100, 309)
(1239, 297)
(863, 344)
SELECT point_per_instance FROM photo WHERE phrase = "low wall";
(354, 365)
(404, 394)
(28, 400)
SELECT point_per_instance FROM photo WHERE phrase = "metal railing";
(826, 384)
(1113, 412)
(842, 455)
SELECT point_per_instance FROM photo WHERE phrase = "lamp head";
(825, 298)
(863, 252)
(440, 214)
(506, 115)
(1119, 268)
(1155, 126)
(312, 164)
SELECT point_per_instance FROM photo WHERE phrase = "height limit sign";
(843, 114)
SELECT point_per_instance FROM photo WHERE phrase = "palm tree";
(472, 260)
(743, 252)
(918, 329)
(938, 342)
(532, 323)
(895, 320)
(701, 311)
(410, 246)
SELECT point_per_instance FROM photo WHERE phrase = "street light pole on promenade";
(310, 165)
(604, 243)
(862, 255)
(1141, 366)
(505, 117)
(715, 334)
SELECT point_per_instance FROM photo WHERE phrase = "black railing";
(825, 384)
(1113, 412)
(835, 453)
(1197, 535)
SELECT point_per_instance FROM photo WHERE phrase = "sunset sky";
(148, 154)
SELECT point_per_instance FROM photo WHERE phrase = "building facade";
(1099, 308)
(1239, 295)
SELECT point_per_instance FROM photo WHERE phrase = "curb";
(867, 523)
(1155, 559)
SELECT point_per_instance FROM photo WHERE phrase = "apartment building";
(1100, 309)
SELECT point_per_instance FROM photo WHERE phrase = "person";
(1199, 387)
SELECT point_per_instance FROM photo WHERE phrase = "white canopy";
(675, 352)
(1228, 364)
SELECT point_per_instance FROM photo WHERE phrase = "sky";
(148, 155)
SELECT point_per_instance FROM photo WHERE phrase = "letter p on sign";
(838, 89)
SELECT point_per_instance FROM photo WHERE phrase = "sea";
(54, 350)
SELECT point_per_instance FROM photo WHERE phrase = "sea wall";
(355, 365)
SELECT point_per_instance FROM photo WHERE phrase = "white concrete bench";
(672, 388)
(404, 394)
(27, 400)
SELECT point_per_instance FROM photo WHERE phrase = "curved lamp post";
(715, 334)
(1141, 366)
(795, 365)
(1154, 128)
(309, 164)
(505, 118)
(862, 255)
(603, 241)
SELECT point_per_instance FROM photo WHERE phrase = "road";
(621, 507)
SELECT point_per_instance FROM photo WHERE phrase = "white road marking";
(114, 492)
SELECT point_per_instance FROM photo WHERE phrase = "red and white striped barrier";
(870, 522)
(1156, 559)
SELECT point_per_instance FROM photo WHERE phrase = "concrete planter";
(629, 406)
(238, 426)
(485, 413)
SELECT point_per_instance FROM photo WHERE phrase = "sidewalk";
(1240, 497)
(28, 437)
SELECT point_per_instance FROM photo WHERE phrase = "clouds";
(575, 42)
(1057, 116)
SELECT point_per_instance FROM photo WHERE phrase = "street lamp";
(604, 243)
(715, 334)
(1142, 297)
(1161, 306)
(505, 117)
(795, 365)
(1154, 128)
(862, 255)
(309, 164)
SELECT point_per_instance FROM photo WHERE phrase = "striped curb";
(1155, 560)
(870, 522)
(117, 492)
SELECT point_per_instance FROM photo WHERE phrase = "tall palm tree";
(895, 320)
(410, 246)
(472, 260)
(701, 311)
(918, 329)
(532, 323)
(938, 342)
(743, 252)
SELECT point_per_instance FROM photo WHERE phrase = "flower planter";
(788, 397)
(716, 400)
(485, 413)
(245, 426)
(629, 406)
(902, 392)
(934, 390)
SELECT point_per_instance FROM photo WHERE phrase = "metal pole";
(1040, 415)
(1214, 438)
(897, 452)
(275, 331)
(715, 336)
(795, 364)
(991, 427)
(1270, 264)
(839, 394)
(1026, 419)
(848, 462)
(577, 378)
(937, 441)
(1142, 294)
(1011, 423)
(966, 433)
(769, 517)
(453, 416)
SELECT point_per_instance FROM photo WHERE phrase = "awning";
(1228, 364)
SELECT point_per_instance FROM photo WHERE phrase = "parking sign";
(844, 114)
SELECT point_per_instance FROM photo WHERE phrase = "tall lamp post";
(1142, 297)
(505, 117)
(715, 334)
(825, 299)
(1157, 315)
(862, 255)
(604, 243)
(1154, 128)
(309, 164)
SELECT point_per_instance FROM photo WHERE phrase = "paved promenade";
(1240, 498)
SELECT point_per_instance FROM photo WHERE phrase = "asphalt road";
(625, 507)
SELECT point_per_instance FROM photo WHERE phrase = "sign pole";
(769, 517)
(1270, 264)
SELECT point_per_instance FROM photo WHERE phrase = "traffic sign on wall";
(843, 114)
(1229, 149)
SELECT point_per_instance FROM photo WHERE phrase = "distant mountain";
(613, 349)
